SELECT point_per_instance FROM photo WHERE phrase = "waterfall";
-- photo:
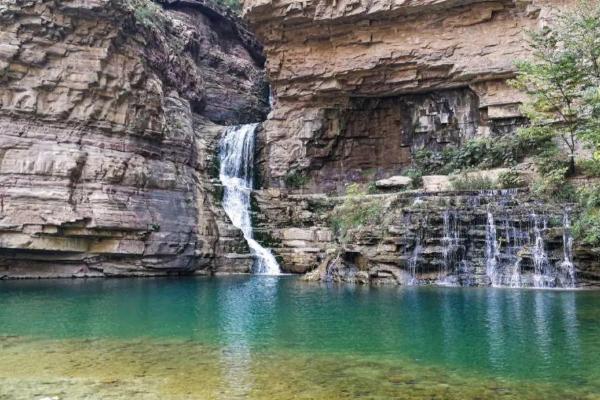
(567, 268)
(413, 260)
(541, 273)
(491, 250)
(450, 244)
(236, 174)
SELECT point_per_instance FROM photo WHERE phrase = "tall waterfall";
(236, 174)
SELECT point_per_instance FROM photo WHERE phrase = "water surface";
(281, 338)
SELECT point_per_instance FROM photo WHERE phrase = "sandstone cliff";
(360, 87)
(109, 116)
(360, 84)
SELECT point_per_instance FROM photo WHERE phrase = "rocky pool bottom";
(281, 338)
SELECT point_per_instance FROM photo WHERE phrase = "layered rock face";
(109, 118)
(500, 238)
(359, 88)
(410, 67)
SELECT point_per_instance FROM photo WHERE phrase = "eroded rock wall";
(500, 238)
(323, 55)
(109, 119)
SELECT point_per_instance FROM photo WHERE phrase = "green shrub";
(149, 14)
(587, 225)
(482, 153)
(472, 182)
(416, 175)
(590, 168)
(372, 188)
(296, 179)
(234, 5)
(357, 210)
(552, 185)
(510, 179)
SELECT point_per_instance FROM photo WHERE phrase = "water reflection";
(547, 335)
(243, 309)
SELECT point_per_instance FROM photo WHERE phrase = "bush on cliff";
(481, 153)
(587, 225)
(357, 211)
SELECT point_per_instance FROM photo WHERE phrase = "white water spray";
(236, 174)
(541, 266)
(567, 267)
(491, 250)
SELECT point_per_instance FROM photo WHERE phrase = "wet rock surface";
(498, 238)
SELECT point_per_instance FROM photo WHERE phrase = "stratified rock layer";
(501, 238)
(108, 128)
(359, 83)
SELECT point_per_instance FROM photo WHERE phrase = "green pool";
(281, 338)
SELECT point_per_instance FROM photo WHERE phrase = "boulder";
(398, 181)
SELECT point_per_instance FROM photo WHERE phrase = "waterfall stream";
(491, 250)
(567, 268)
(541, 273)
(236, 174)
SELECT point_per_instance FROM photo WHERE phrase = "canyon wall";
(110, 112)
(413, 68)
(358, 89)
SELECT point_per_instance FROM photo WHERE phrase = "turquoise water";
(396, 342)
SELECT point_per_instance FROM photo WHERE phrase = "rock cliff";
(497, 237)
(109, 115)
(359, 87)
(436, 68)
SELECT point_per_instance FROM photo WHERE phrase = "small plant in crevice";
(416, 175)
(149, 14)
(296, 179)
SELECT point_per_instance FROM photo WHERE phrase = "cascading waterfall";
(450, 245)
(541, 272)
(567, 268)
(413, 260)
(491, 250)
(236, 174)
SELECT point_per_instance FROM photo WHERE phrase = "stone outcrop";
(362, 85)
(110, 112)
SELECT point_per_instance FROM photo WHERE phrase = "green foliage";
(587, 225)
(357, 210)
(149, 14)
(372, 188)
(552, 185)
(589, 167)
(472, 182)
(416, 175)
(481, 153)
(234, 5)
(296, 180)
(563, 79)
(510, 179)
